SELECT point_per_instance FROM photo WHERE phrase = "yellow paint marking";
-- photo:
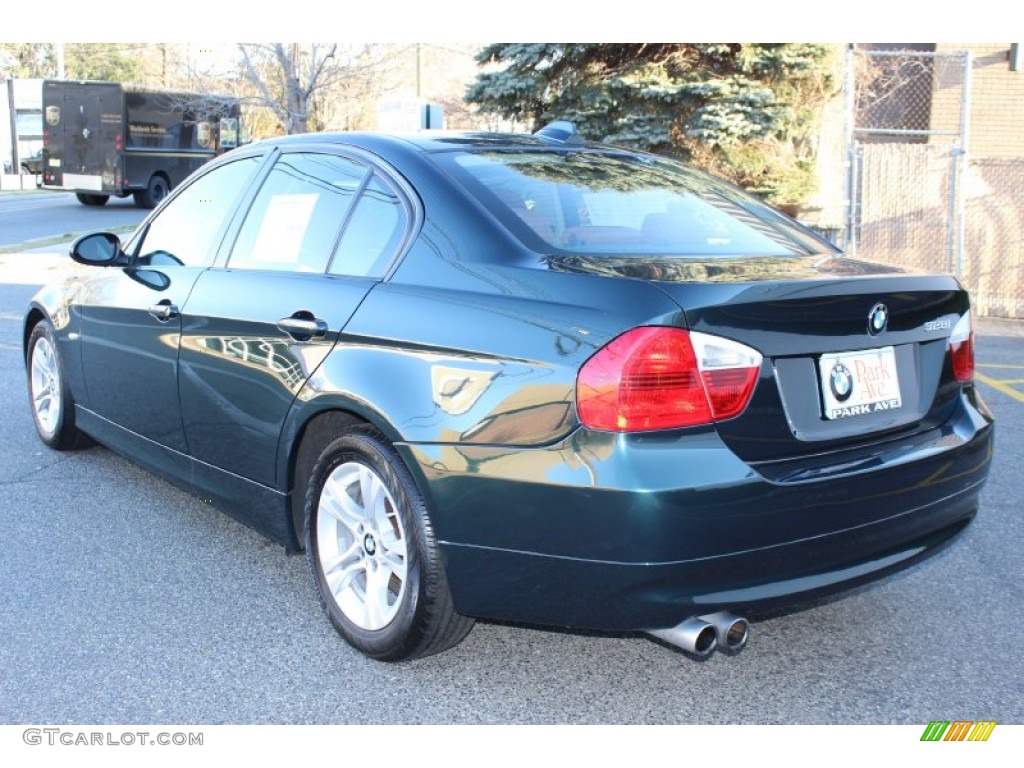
(999, 365)
(1001, 386)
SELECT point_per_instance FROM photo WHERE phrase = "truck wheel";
(86, 199)
(151, 196)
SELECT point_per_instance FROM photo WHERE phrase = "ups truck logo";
(205, 135)
(52, 115)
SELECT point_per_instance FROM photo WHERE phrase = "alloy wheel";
(46, 391)
(361, 546)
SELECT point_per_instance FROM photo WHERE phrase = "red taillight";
(729, 390)
(660, 378)
(961, 348)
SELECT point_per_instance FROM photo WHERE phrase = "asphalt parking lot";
(126, 600)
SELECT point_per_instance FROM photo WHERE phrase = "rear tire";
(95, 200)
(372, 554)
(154, 192)
(53, 407)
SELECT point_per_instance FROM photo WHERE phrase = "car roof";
(436, 141)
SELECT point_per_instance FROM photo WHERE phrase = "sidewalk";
(37, 266)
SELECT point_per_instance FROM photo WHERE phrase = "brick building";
(996, 117)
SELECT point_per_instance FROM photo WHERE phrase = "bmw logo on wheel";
(878, 319)
(841, 382)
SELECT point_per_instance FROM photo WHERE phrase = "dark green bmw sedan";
(524, 378)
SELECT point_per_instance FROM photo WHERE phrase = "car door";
(131, 321)
(255, 330)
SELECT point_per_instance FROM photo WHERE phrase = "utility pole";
(15, 156)
(417, 72)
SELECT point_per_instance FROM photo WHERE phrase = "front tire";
(53, 408)
(372, 553)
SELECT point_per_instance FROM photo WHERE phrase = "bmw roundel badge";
(878, 319)
(840, 381)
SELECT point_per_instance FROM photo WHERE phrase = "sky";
(520, 21)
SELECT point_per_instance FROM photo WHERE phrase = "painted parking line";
(1002, 385)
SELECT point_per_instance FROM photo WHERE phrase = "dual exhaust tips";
(700, 635)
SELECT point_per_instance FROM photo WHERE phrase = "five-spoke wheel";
(371, 549)
(362, 546)
(44, 383)
(53, 408)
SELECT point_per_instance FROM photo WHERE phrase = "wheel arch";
(422, 620)
(304, 437)
(33, 317)
(62, 434)
(51, 305)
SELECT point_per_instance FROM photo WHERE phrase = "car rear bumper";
(615, 532)
(522, 586)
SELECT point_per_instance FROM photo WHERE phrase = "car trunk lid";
(855, 354)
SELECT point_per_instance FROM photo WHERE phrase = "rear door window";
(298, 214)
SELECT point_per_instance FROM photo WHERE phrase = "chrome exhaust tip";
(693, 635)
(731, 631)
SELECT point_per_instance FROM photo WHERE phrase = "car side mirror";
(99, 249)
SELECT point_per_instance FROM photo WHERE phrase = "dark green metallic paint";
(465, 356)
(240, 372)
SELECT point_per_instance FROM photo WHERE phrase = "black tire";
(154, 192)
(95, 200)
(53, 407)
(391, 550)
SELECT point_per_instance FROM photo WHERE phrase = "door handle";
(164, 310)
(302, 326)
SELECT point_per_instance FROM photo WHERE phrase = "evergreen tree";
(745, 111)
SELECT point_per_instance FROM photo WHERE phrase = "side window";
(294, 221)
(184, 232)
(372, 234)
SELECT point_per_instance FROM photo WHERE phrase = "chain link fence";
(992, 264)
(916, 197)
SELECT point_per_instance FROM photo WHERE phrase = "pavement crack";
(25, 478)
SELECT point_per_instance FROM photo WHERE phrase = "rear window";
(604, 203)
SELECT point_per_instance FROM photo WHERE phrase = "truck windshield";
(599, 203)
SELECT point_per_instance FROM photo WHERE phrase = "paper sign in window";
(283, 229)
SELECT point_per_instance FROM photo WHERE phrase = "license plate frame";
(859, 383)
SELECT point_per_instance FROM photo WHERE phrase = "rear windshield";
(605, 203)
